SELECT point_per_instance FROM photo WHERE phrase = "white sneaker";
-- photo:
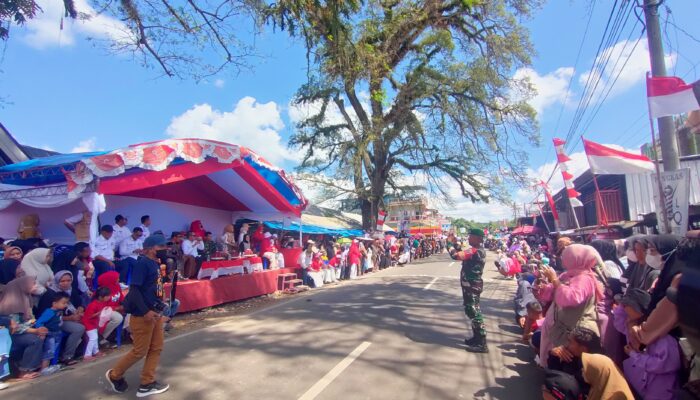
(4, 385)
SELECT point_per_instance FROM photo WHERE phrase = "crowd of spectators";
(602, 318)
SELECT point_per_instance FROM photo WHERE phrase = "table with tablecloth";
(198, 294)
(217, 268)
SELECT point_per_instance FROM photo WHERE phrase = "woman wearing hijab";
(660, 249)
(37, 264)
(608, 252)
(662, 314)
(605, 380)
(13, 253)
(63, 282)
(645, 275)
(354, 258)
(27, 342)
(573, 294)
(9, 264)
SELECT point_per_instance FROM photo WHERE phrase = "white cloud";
(549, 89)
(634, 70)
(85, 146)
(219, 83)
(496, 211)
(250, 124)
(45, 30)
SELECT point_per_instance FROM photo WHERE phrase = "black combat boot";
(479, 345)
(474, 339)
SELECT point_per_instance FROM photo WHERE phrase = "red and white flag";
(606, 160)
(380, 220)
(562, 159)
(550, 200)
(669, 95)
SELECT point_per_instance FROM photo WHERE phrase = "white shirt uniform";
(189, 248)
(146, 232)
(103, 247)
(128, 247)
(120, 233)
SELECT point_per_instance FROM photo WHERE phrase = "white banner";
(674, 186)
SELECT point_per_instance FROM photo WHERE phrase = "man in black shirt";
(146, 323)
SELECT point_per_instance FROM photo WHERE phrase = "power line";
(610, 88)
(591, 74)
(578, 56)
(600, 68)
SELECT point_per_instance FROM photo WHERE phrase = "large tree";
(418, 88)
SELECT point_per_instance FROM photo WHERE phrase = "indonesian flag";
(550, 200)
(606, 160)
(669, 95)
(380, 220)
(562, 159)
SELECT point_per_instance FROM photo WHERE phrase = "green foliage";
(439, 103)
(15, 11)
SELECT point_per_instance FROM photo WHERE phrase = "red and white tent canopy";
(230, 181)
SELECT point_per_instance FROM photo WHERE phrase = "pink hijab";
(580, 259)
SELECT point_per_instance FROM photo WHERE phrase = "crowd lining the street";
(602, 317)
(63, 304)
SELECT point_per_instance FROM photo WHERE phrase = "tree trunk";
(366, 207)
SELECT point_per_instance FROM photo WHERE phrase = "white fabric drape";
(94, 202)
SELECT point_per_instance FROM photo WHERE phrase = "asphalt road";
(396, 334)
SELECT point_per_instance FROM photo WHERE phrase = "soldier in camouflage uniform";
(472, 284)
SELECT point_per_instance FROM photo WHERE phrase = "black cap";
(561, 385)
(637, 298)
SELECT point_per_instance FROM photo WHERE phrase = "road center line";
(431, 283)
(327, 379)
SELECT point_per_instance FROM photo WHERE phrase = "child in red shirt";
(91, 320)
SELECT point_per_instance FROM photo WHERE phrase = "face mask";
(631, 256)
(654, 261)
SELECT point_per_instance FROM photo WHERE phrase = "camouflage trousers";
(471, 293)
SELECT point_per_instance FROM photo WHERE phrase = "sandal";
(70, 362)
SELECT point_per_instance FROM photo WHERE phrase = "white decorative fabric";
(155, 156)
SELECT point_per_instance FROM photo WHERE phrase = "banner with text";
(674, 205)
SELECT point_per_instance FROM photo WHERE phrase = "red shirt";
(90, 320)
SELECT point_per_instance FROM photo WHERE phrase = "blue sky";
(67, 94)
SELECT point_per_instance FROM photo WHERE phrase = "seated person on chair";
(129, 250)
(103, 251)
(110, 280)
(191, 248)
(71, 315)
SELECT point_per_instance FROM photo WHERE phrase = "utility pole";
(667, 134)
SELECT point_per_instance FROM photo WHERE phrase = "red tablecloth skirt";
(215, 269)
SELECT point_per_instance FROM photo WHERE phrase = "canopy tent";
(526, 230)
(314, 229)
(185, 178)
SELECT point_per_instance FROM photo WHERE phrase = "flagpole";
(667, 226)
(544, 219)
(573, 210)
(597, 190)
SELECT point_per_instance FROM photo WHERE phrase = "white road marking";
(431, 283)
(327, 379)
(451, 264)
